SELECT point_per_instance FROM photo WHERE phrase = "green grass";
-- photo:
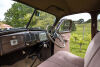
(74, 46)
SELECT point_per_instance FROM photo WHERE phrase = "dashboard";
(18, 40)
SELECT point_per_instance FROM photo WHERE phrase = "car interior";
(18, 45)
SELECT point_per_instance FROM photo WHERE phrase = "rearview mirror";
(37, 13)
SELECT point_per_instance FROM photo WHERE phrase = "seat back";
(92, 57)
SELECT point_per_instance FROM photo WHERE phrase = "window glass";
(17, 15)
(98, 24)
(81, 35)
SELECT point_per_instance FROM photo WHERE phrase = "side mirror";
(67, 26)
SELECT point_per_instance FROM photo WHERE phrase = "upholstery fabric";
(93, 52)
(63, 59)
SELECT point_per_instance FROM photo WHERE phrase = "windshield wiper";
(31, 18)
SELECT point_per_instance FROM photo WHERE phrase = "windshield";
(17, 15)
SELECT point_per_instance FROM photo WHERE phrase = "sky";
(75, 17)
(6, 4)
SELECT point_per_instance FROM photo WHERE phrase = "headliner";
(60, 8)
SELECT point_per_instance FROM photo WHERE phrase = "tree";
(88, 21)
(80, 42)
(40, 21)
(81, 21)
(15, 15)
(18, 16)
(44, 19)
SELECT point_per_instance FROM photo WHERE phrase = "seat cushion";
(93, 52)
(63, 59)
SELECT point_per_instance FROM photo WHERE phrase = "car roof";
(61, 8)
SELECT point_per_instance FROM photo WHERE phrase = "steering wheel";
(54, 37)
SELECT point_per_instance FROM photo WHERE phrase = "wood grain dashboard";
(11, 42)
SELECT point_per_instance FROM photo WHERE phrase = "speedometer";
(42, 36)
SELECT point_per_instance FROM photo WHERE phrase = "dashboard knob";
(27, 44)
(45, 45)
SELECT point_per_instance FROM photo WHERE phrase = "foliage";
(81, 21)
(81, 42)
(15, 15)
(43, 20)
(75, 36)
(75, 45)
(88, 21)
(73, 27)
(19, 14)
